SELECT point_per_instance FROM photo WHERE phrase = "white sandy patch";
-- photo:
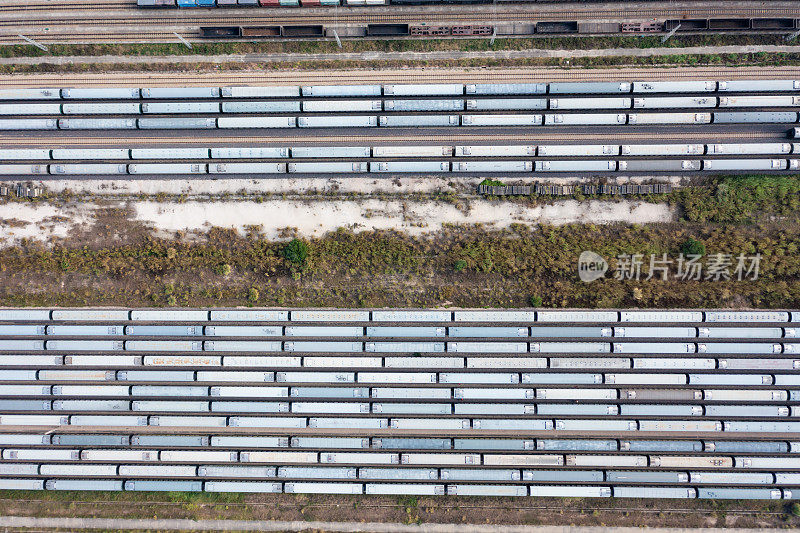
(315, 218)
(366, 185)
(40, 221)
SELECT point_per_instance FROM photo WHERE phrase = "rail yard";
(663, 404)
(537, 254)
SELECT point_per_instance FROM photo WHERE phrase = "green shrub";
(535, 301)
(796, 509)
(693, 247)
(223, 269)
(253, 295)
(489, 182)
(459, 265)
(296, 251)
(172, 301)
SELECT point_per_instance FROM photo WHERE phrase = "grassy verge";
(389, 45)
(119, 262)
(682, 60)
(604, 512)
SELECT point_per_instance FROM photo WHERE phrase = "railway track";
(366, 17)
(355, 77)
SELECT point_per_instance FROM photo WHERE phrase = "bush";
(536, 301)
(223, 269)
(796, 509)
(252, 294)
(693, 247)
(489, 182)
(459, 265)
(172, 301)
(296, 251)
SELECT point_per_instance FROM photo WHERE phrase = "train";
(521, 402)
(432, 90)
(570, 161)
(401, 316)
(399, 121)
(418, 30)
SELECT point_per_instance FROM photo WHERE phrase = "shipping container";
(749, 117)
(346, 121)
(587, 363)
(748, 149)
(493, 166)
(249, 153)
(411, 443)
(115, 93)
(330, 392)
(590, 103)
(507, 362)
(38, 123)
(674, 363)
(30, 109)
(261, 107)
(575, 445)
(575, 166)
(721, 395)
(347, 423)
(568, 332)
(662, 149)
(592, 87)
(569, 491)
(116, 108)
(169, 440)
(562, 476)
(157, 471)
(578, 150)
(409, 393)
(323, 488)
(405, 331)
(498, 378)
(739, 494)
(741, 333)
(30, 94)
(423, 362)
(645, 477)
(486, 490)
(501, 120)
(164, 486)
(492, 393)
(25, 154)
(495, 424)
(680, 425)
(671, 102)
(494, 151)
(596, 425)
(438, 424)
(261, 92)
(506, 88)
(501, 104)
(541, 378)
(744, 164)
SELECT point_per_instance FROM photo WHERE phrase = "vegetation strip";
(400, 45)
(761, 59)
(120, 262)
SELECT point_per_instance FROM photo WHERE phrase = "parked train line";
(628, 403)
(318, 160)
